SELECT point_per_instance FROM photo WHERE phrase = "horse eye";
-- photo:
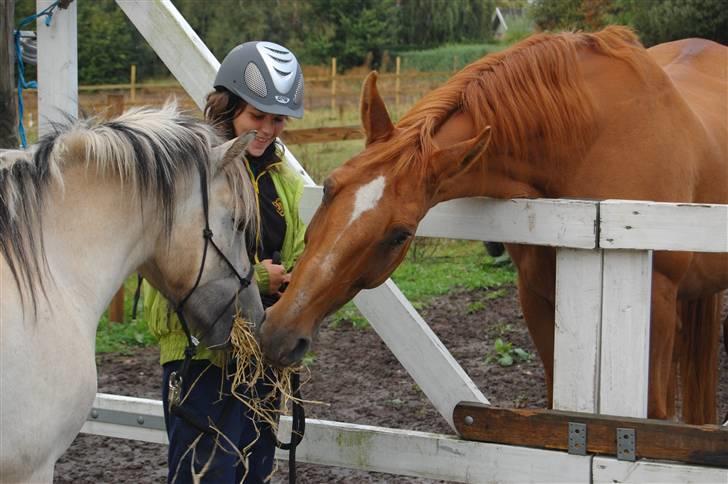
(399, 237)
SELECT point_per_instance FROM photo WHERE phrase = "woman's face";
(268, 126)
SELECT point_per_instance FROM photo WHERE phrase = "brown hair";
(221, 109)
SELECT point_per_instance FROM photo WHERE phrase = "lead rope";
(298, 428)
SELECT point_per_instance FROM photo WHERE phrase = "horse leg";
(698, 359)
(539, 314)
(662, 341)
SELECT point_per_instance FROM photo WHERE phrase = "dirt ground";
(359, 379)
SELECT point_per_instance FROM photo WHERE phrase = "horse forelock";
(150, 149)
(533, 87)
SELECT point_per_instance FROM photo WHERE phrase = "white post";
(578, 330)
(57, 66)
(624, 368)
(180, 48)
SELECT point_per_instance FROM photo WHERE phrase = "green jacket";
(164, 324)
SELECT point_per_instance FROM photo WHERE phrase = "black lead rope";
(298, 428)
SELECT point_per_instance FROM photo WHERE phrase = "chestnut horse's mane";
(533, 87)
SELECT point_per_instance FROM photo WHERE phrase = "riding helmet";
(266, 75)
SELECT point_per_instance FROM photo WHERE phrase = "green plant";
(476, 306)
(506, 355)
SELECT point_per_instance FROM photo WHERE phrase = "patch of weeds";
(498, 293)
(309, 359)
(506, 355)
(476, 306)
(122, 337)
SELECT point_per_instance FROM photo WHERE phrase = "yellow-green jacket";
(164, 324)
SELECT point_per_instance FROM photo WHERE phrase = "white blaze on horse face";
(367, 197)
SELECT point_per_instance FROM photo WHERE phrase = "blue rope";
(22, 83)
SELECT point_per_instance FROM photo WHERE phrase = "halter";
(176, 380)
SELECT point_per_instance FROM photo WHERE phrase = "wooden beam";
(321, 135)
(8, 103)
(548, 429)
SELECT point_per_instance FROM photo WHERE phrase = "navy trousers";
(211, 399)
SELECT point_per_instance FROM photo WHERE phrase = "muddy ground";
(357, 376)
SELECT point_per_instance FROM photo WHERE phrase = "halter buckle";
(175, 390)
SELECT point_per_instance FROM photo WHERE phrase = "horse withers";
(570, 115)
(89, 204)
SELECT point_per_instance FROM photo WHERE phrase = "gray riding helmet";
(266, 75)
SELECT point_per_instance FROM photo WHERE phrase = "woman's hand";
(277, 276)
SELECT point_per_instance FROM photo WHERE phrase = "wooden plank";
(625, 338)
(432, 456)
(322, 135)
(606, 470)
(417, 348)
(57, 66)
(578, 329)
(177, 45)
(548, 429)
(629, 224)
(369, 448)
(566, 223)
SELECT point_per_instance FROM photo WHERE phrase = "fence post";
(333, 85)
(397, 65)
(132, 81)
(116, 307)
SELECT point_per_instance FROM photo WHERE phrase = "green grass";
(444, 266)
(124, 336)
(451, 57)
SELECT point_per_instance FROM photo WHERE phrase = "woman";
(258, 86)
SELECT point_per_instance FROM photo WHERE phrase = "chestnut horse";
(569, 115)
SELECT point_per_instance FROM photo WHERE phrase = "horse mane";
(149, 149)
(534, 86)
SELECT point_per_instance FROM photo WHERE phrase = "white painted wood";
(628, 224)
(608, 470)
(625, 333)
(578, 330)
(404, 452)
(565, 223)
(417, 348)
(140, 406)
(434, 456)
(57, 66)
(176, 44)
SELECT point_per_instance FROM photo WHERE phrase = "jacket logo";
(278, 206)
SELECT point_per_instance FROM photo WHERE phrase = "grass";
(123, 336)
(447, 265)
(450, 57)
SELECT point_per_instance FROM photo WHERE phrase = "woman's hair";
(221, 109)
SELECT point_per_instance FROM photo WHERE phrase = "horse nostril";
(299, 351)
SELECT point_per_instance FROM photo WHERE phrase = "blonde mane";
(152, 150)
(533, 87)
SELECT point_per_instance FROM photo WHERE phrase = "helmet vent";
(255, 81)
(298, 96)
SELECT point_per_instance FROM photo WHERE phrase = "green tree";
(430, 23)
(659, 21)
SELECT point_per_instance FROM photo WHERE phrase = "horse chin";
(213, 306)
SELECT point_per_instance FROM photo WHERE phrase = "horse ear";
(458, 158)
(231, 150)
(374, 115)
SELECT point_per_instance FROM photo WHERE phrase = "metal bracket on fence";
(129, 419)
(626, 444)
(577, 438)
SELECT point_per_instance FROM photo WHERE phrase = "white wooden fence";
(602, 308)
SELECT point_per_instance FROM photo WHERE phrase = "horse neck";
(494, 175)
(94, 238)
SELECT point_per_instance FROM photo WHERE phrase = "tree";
(8, 104)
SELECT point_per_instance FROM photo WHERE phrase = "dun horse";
(79, 212)
(572, 115)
